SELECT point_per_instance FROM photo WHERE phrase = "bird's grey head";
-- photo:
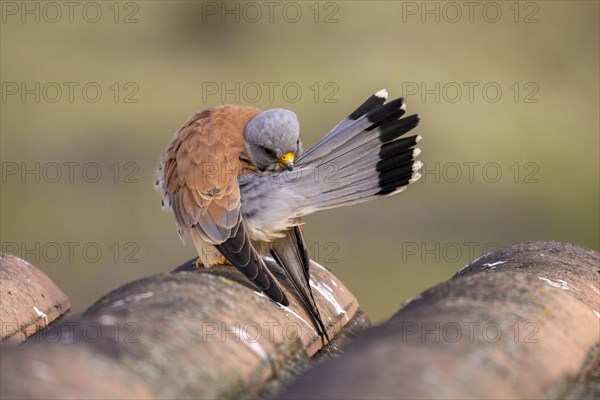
(273, 139)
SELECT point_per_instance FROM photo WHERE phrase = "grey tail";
(364, 156)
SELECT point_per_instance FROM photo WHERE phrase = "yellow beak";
(287, 160)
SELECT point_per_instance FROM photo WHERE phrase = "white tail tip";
(416, 176)
(382, 94)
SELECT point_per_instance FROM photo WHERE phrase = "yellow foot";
(223, 261)
(217, 261)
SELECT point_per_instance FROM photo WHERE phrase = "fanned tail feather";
(365, 155)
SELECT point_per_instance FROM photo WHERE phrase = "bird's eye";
(269, 152)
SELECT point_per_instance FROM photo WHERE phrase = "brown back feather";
(202, 166)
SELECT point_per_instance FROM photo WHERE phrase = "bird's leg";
(208, 255)
(222, 261)
(218, 261)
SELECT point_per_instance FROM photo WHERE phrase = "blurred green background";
(508, 92)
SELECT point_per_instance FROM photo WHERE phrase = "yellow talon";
(223, 261)
(218, 261)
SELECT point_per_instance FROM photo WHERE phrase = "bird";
(238, 180)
